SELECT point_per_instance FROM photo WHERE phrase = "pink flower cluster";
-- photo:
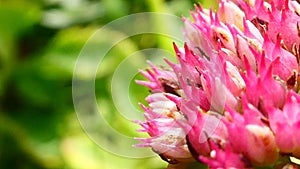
(232, 100)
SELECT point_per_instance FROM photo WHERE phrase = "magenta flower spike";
(286, 124)
(167, 137)
(232, 100)
(255, 139)
(224, 158)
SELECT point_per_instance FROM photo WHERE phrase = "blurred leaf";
(115, 8)
(60, 56)
(16, 17)
(179, 8)
(70, 12)
(23, 152)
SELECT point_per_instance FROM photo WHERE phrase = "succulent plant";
(232, 100)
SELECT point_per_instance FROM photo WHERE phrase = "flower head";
(232, 99)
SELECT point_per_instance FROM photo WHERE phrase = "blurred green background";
(40, 41)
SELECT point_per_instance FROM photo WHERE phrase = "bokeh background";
(40, 41)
